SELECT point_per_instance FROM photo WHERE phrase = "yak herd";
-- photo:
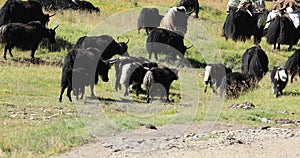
(23, 25)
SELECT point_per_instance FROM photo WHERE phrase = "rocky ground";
(224, 140)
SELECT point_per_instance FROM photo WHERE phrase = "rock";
(151, 127)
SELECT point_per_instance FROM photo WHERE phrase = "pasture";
(33, 123)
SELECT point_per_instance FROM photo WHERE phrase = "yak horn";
(127, 40)
(51, 15)
(55, 27)
(189, 46)
(190, 12)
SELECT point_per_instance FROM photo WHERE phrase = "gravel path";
(186, 141)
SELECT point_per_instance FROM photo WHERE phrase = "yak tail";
(2, 30)
(148, 80)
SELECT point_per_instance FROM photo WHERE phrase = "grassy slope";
(34, 123)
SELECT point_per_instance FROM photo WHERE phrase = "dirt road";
(224, 140)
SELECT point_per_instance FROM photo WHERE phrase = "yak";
(149, 19)
(176, 20)
(22, 12)
(165, 41)
(81, 68)
(255, 62)
(158, 80)
(108, 46)
(282, 31)
(292, 65)
(25, 36)
(279, 79)
(240, 25)
(68, 4)
(191, 6)
(214, 74)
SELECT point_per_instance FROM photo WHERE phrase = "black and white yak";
(279, 78)
(282, 31)
(255, 62)
(292, 65)
(241, 25)
(157, 81)
(133, 75)
(149, 19)
(213, 75)
(176, 20)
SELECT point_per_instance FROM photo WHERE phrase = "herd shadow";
(60, 45)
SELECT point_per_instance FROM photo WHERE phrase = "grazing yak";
(279, 79)
(235, 83)
(149, 19)
(121, 61)
(108, 46)
(68, 4)
(255, 62)
(292, 65)
(133, 74)
(158, 81)
(191, 6)
(81, 68)
(22, 12)
(25, 36)
(241, 25)
(176, 20)
(165, 41)
(282, 31)
(214, 74)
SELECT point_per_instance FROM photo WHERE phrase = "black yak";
(25, 36)
(165, 41)
(81, 68)
(149, 19)
(241, 25)
(292, 65)
(255, 62)
(105, 43)
(282, 31)
(22, 12)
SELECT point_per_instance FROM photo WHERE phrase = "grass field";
(34, 124)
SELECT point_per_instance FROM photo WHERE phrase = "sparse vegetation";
(34, 124)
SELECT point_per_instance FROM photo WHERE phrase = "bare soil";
(223, 140)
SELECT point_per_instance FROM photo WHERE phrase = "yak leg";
(278, 46)
(148, 95)
(293, 75)
(126, 90)
(92, 91)
(69, 93)
(7, 47)
(62, 92)
(82, 92)
(168, 92)
(197, 11)
(290, 47)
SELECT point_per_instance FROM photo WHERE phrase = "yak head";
(124, 47)
(51, 34)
